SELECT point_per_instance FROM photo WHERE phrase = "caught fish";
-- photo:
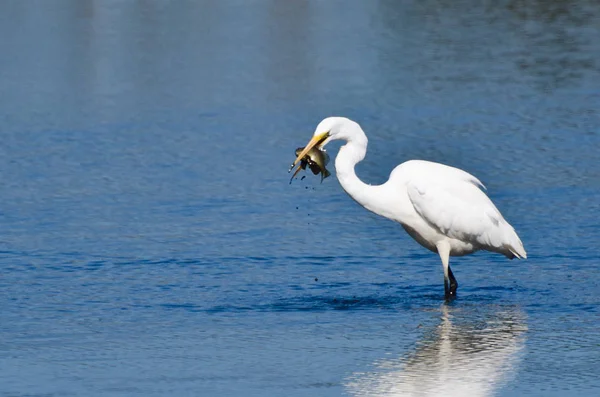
(316, 159)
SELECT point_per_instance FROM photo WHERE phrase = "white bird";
(443, 208)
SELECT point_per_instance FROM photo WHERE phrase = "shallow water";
(151, 243)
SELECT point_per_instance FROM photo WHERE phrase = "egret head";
(330, 129)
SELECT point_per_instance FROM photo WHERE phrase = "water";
(151, 244)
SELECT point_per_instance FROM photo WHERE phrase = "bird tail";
(515, 246)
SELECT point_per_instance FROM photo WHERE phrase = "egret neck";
(368, 196)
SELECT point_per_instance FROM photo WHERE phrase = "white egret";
(443, 208)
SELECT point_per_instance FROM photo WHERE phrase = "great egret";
(443, 208)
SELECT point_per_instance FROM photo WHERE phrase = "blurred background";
(151, 242)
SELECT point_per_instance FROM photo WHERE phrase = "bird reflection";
(467, 354)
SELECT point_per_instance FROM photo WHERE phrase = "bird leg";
(450, 283)
(453, 283)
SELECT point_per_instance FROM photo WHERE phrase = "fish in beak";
(312, 156)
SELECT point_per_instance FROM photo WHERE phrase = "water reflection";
(470, 353)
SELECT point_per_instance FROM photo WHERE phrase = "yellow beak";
(316, 140)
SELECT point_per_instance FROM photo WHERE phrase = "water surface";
(151, 244)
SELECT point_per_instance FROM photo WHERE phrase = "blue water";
(151, 244)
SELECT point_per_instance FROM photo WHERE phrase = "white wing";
(451, 201)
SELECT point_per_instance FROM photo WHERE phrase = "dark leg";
(453, 282)
(450, 285)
